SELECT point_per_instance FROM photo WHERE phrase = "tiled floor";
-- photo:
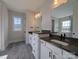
(18, 51)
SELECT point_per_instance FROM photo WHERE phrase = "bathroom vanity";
(46, 47)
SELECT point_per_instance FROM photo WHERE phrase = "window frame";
(67, 26)
(16, 23)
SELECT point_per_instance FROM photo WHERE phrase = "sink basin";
(60, 42)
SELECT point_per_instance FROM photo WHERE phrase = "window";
(66, 26)
(17, 24)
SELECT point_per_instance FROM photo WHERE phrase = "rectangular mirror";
(64, 19)
(63, 24)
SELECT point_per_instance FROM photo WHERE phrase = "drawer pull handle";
(54, 57)
(69, 58)
(50, 54)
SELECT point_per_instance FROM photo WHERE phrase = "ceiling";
(23, 5)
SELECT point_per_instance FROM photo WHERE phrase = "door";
(45, 52)
(16, 27)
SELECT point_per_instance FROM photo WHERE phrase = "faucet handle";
(61, 37)
(64, 36)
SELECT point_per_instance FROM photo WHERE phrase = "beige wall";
(15, 36)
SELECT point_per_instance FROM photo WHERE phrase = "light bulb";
(55, 1)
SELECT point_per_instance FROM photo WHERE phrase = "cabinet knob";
(69, 58)
(50, 54)
(41, 42)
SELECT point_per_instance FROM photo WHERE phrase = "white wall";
(15, 36)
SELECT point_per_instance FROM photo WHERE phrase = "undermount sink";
(60, 42)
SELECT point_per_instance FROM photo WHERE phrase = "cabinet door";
(35, 45)
(30, 38)
(55, 56)
(45, 52)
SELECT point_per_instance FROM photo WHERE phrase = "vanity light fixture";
(57, 3)
(37, 15)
